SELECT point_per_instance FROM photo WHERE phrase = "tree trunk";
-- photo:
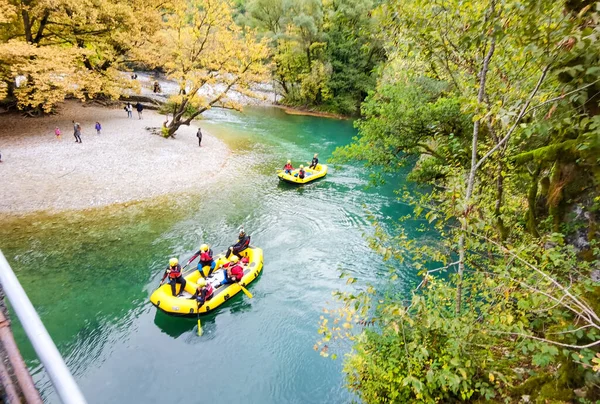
(471, 177)
(172, 128)
(502, 230)
(26, 26)
(555, 196)
(532, 202)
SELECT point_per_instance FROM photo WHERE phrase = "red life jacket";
(238, 272)
(301, 174)
(209, 290)
(288, 167)
(175, 272)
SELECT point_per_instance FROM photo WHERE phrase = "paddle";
(246, 291)
(199, 324)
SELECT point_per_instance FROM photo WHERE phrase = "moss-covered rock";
(554, 392)
(532, 386)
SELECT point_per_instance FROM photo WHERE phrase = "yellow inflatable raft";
(184, 305)
(311, 174)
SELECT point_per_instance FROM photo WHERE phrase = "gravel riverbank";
(124, 163)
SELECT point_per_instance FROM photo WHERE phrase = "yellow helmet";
(301, 166)
(234, 258)
(289, 162)
(173, 262)
(201, 282)
(204, 247)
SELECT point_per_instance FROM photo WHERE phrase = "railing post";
(61, 377)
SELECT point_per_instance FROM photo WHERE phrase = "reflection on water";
(90, 274)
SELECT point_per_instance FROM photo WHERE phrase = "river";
(90, 274)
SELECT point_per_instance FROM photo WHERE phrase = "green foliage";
(409, 118)
(326, 52)
(519, 202)
(164, 132)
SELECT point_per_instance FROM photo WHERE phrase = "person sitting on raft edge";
(206, 260)
(242, 243)
(315, 161)
(175, 276)
(204, 292)
(301, 173)
(288, 167)
(234, 272)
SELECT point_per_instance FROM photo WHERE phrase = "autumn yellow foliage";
(207, 54)
(51, 49)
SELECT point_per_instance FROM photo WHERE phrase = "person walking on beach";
(77, 132)
(129, 110)
(139, 107)
(57, 133)
(199, 136)
(98, 128)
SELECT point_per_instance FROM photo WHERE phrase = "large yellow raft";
(184, 305)
(311, 175)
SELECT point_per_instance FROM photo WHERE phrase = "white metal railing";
(61, 377)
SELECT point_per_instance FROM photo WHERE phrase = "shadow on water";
(177, 326)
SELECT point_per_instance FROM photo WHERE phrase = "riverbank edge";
(290, 110)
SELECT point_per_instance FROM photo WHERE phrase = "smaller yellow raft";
(311, 174)
(184, 305)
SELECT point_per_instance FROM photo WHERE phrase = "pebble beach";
(126, 162)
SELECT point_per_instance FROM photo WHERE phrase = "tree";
(64, 48)
(497, 104)
(354, 50)
(325, 53)
(200, 46)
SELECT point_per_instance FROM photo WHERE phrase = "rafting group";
(302, 175)
(214, 280)
(218, 278)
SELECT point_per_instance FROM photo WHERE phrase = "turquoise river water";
(90, 274)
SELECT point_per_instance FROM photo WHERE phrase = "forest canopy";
(494, 107)
(321, 55)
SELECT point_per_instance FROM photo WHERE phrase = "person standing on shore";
(199, 136)
(77, 132)
(129, 110)
(57, 132)
(98, 128)
(139, 107)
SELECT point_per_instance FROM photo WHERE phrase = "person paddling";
(233, 272)
(174, 273)
(242, 243)
(206, 260)
(204, 292)
(288, 167)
